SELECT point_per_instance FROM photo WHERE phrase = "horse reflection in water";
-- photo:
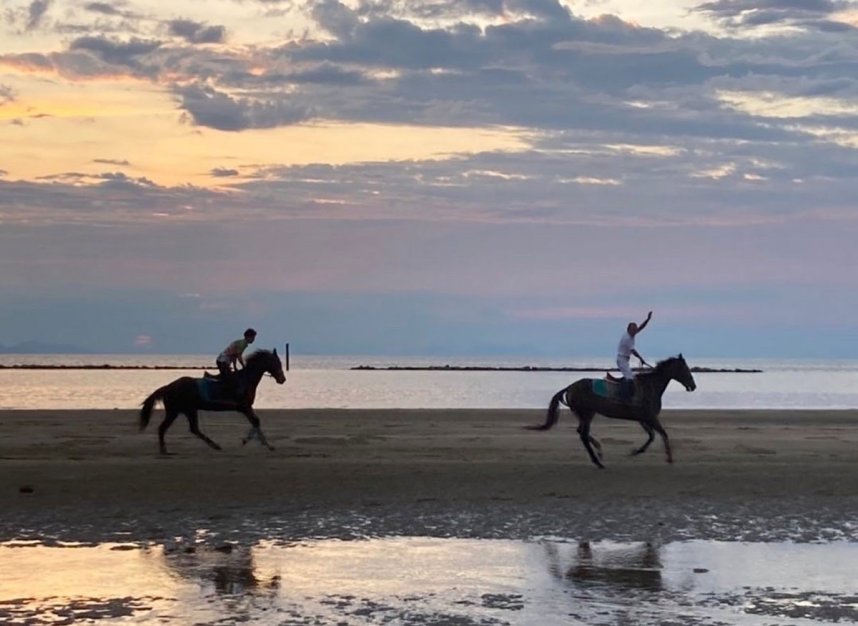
(618, 569)
(229, 569)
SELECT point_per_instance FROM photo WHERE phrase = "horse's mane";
(659, 366)
(258, 355)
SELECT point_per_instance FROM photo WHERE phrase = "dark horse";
(644, 407)
(189, 395)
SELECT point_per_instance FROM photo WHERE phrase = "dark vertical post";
(287, 356)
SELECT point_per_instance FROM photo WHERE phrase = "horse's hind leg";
(194, 421)
(587, 440)
(649, 431)
(660, 430)
(169, 418)
(597, 447)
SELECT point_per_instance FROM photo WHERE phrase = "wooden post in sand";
(287, 356)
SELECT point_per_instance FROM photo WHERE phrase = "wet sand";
(738, 475)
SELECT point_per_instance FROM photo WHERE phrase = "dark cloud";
(7, 94)
(208, 107)
(752, 13)
(36, 11)
(111, 161)
(463, 8)
(116, 52)
(322, 74)
(103, 178)
(104, 8)
(196, 32)
(121, 180)
(112, 197)
(223, 172)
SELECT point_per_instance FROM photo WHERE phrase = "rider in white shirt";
(626, 349)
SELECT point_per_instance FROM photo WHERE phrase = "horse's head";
(267, 362)
(680, 372)
(275, 368)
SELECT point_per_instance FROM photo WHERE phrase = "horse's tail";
(149, 404)
(553, 414)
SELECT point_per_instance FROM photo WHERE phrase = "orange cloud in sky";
(78, 124)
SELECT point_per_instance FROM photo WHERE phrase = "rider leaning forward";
(233, 353)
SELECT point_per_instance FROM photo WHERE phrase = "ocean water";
(329, 382)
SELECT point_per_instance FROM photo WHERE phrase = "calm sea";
(328, 382)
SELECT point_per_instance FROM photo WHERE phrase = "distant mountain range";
(42, 347)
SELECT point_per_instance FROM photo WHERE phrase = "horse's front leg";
(650, 436)
(660, 430)
(255, 429)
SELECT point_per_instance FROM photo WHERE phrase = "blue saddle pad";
(606, 388)
(210, 390)
(612, 390)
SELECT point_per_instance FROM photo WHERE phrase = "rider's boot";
(627, 389)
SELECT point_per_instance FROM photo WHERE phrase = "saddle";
(212, 389)
(612, 388)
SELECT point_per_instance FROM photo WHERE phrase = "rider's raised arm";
(643, 324)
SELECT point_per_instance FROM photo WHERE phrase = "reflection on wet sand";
(635, 566)
(413, 581)
(228, 568)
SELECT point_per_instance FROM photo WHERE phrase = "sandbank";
(89, 475)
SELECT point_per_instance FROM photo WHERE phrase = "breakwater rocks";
(105, 366)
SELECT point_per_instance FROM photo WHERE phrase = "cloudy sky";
(432, 177)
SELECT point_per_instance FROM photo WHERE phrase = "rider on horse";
(625, 350)
(232, 354)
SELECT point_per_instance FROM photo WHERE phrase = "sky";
(431, 177)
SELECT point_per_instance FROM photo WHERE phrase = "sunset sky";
(438, 177)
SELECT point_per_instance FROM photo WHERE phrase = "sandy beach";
(754, 475)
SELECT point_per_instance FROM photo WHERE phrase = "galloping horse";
(189, 395)
(644, 407)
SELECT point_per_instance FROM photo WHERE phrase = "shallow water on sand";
(410, 581)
